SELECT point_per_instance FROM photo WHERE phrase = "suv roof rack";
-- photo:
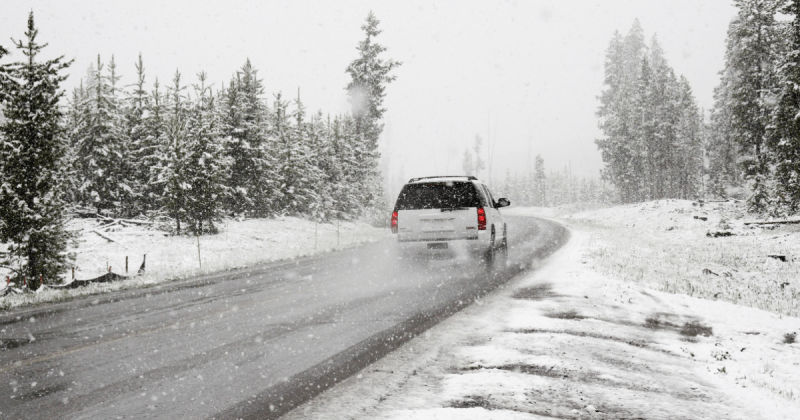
(469, 177)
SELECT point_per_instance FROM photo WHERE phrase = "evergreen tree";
(366, 90)
(74, 130)
(688, 159)
(344, 181)
(32, 149)
(651, 125)
(721, 149)
(539, 179)
(753, 48)
(297, 168)
(643, 131)
(102, 153)
(154, 145)
(4, 80)
(320, 145)
(175, 157)
(467, 164)
(785, 135)
(369, 76)
(207, 167)
(615, 113)
(244, 122)
(142, 146)
(476, 147)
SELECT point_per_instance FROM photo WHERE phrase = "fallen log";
(773, 222)
(143, 232)
(105, 278)
(136, 222)
(104, 236)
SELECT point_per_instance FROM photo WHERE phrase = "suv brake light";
(481, 219)
(394, 222)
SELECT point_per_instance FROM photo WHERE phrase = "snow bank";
(239, 244)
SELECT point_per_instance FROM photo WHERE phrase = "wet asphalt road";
(250, 343)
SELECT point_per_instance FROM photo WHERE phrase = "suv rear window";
(437, 195)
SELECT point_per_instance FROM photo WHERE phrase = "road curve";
(251, 343)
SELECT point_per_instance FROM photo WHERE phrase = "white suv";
(450, 215)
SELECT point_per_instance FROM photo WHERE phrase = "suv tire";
(490, 255)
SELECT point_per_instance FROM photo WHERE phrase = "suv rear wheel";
(490, 255)
(495, 257)
(501, 256)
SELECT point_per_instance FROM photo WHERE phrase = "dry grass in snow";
(665, 245)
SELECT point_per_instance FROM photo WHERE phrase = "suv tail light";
(481, 219)
(394, 222)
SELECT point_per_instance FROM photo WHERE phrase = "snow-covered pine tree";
(723, 170)
(153, 148)
(665, 114)
(539, 182)
(32, 208)
(614, 114)
(322, 152)
(345, 185)
(244, 118)
(73, 130)
(101, 155)
(645, 114)
(296, 165)
(640, 144)
(467, 164)
(635, 90)
(125, 171)
(370, 74)
(141, 144)
(754, 46)
(207, 167)
(476, 147)
(174, 157)
(366, 90)
(785, 132)
(4, 79)
(307, 173)
(688, 160)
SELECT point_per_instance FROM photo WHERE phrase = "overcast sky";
(528, 72)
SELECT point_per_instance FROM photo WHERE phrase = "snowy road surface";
(245, 344)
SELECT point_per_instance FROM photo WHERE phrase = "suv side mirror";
(503, 202)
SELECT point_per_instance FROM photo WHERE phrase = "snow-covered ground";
(239, 244)
(676, 246)
(606, 328)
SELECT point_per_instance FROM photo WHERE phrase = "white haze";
(527, 73)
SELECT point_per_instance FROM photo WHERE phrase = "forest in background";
(653, 136)
(658, 144)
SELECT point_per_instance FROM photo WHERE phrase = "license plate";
(437, 246)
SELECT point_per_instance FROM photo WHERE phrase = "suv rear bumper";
(444, 247)
(472, 238)
(474, 235)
